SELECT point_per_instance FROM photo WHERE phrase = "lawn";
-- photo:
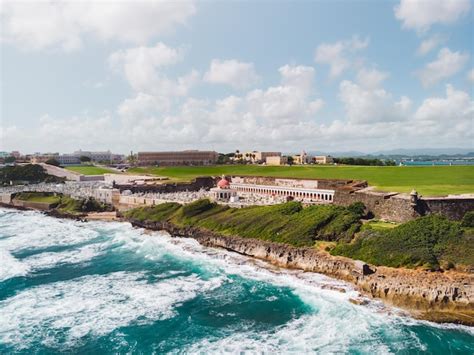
(90, 170)
(39, 197)
(427, 180)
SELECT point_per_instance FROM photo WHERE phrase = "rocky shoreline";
(434, 296)
(443, 297)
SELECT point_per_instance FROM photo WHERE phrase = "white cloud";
(47, 24)
(371, 105)
(446, 65)
(239, 75)
(301, 77)
(420, 15)
(456, 106)
(371, 78)
(142, 67)
(470, 75)
(338, 55)
(429, 44)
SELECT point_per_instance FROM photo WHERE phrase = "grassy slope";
(428, 180)
(90, 170)
(430, 241)
(38, 197)
(286, 223)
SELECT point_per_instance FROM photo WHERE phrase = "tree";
(84, 159)
(52, 161)
(290, 160)
(10, 159)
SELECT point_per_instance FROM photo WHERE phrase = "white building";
(105, 156)
(224, 192)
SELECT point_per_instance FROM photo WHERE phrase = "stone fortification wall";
(399, 207)
(196, 185)
(451, 207)
(392, 207)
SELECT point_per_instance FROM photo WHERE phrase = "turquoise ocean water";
(103, 288)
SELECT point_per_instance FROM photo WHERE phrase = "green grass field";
(90, 170)
(427, 180)
(38, 197)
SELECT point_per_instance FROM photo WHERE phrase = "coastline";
(442, 297)
(446, 297)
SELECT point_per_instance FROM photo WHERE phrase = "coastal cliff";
(434, 296)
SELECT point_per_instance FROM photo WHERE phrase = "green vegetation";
(64, 204)
(427, 180)
(432, 241)
(285, 223)
(25, 173)
(378, 225)
(429, 242)
(364, 161)
(43, 197)
(90, 170)
(73, 206)
(468, 219)
(53, 162)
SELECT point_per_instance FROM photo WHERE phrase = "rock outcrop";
(435, 296)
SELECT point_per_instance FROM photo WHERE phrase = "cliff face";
(441, 297)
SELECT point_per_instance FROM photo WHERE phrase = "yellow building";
(276, 160)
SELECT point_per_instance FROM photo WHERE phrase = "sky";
(225, 75)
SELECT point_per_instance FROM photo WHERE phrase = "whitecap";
(10, 266)
(92, 305)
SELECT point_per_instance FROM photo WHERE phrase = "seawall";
(435, 296)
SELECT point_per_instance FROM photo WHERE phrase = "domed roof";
(223, 183)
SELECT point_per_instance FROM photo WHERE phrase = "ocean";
(107, 288)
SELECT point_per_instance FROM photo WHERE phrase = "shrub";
(358, 208)
(468, 219)
(427, 241)
(52, 162)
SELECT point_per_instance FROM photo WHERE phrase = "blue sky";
(313, 75)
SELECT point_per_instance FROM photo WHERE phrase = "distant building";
(68, 159)
(276, 160)
(256, 156)
(104, 156)
(301, 159)
(16, 154)
(38, 158)
(323, 159)
(185, 157)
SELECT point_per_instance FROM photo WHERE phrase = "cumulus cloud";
(371, 78)
(446, 65)
(301, 77)
(239, 75)
(429, 44)
(142, 67)
(371, 105)
(470, 75)
(456, 106)
(281, 112)
(420, 15)
(36, 25)
(338, 55)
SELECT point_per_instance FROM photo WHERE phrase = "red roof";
(223, 184)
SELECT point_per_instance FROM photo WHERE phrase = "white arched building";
(224, 192)
(298, 189)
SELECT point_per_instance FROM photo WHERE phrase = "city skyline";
(365, 76)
